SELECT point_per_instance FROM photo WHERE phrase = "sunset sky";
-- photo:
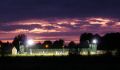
(58, 19)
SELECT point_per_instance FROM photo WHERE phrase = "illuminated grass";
(42, 54)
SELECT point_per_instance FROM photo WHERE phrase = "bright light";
(84, 53)
(30, 42)
(94, 41)
(46, 46)
(92, 53)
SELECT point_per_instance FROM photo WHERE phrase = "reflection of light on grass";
(46, 53)
(92, 53)
(84, 53)
(114, 52)
(98, 52)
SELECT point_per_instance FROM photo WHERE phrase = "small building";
(14, 51)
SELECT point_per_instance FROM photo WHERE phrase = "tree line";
(108, 42)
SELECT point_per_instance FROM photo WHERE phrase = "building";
(14, 51)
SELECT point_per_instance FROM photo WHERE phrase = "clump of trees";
(111, 41)
(5, 48)
(108, 42)
(19, 40)
(86, 39)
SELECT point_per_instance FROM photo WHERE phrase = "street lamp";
(30, 42)
(94, 41)
(94, 46)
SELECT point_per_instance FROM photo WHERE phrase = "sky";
(58, 19)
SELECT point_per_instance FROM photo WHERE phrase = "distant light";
(46, 46)
(93, 53)
(84, 53)
(30, 42)
(94, 41)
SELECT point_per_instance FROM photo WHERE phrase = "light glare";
(94, 41)
(30, 42)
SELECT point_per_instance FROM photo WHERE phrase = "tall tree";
(58, 43)
(0, 42)
(85, 39)
(1, 48)
(61, 43)
(38, 45)
(111, 41)
(19, 40)
(72, 45)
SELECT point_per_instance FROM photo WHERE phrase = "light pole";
(94, 46)
(95, 41)
(21, 48)
(63, 48)
(29, 44)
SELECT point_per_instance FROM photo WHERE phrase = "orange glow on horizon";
(4, 41)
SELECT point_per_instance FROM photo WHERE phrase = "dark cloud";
(67, 26)
(94, 27)
(6, 38)
(14, 27)
(24, 9)
(58, 34)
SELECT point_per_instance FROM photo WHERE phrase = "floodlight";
(30, 42)
(94, 41)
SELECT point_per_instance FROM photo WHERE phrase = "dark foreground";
(69, 62)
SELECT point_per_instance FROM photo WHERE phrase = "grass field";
(60, 62)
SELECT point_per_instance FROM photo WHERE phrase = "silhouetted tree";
(65, 46)
(111, 41)
(55, 44)
(38, 45)
(19, 40)
(58, 44)
(85, 39)
(1, 48)
(73, 48)
(6, 48)
(61, 43)
(47, 44)
(72, 45)
(0, 42)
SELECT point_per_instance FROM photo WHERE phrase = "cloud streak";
(59, 28)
